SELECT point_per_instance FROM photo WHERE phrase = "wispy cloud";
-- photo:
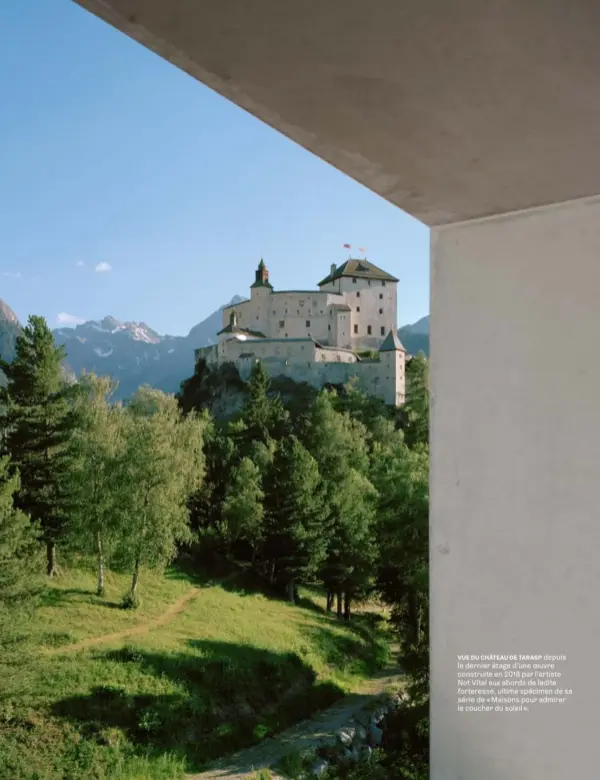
(68, 319)
(80, 263)
(11, 274)
(102, 268)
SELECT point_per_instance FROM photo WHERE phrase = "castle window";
(380, 296)
(369, 282)
(383, 331)
(329, 327)
(354, 280)
(358, 308)
(308, 323)
(356, 328)
(358, 294)
(383, 284)
(286, 335)
(381, 311)
(369, 329)
(281, 323)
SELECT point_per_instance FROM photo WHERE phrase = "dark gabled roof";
(308, 293)
(362, 269)
(392, 343)
(231, 329)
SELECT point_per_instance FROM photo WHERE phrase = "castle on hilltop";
(347, 328)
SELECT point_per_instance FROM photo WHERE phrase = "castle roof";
(362, 269)
(392, 343)
(244, 331)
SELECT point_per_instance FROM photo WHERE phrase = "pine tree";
(414, 415)
(220, 457)
(38, 420)
(19, 552)
(242, 513)
(401, 475)
(340, 446)
(264, 416)
(294, 500)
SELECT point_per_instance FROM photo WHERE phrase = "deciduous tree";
(98, 519)
(163, 467)
(19, 552)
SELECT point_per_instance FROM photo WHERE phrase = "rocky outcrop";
(356, 741)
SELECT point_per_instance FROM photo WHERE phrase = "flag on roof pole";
(347, 246)
(362, 249)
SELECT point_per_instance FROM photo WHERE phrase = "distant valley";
(135, 354)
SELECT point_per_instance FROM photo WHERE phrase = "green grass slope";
(229, 668)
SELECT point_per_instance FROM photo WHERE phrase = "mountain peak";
(7, 314)
(109, 323)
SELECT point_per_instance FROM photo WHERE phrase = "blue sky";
(113, 159)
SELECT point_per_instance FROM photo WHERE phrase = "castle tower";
(391, 364)
(261, 276)
(260, 292)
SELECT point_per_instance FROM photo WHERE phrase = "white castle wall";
(312, 313)
(344, 316)
(374, 306)
(289, 314)
(303, 361)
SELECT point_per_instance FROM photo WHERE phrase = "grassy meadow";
(233, 666)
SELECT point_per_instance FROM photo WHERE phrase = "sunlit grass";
(70, 611)
(233, 667)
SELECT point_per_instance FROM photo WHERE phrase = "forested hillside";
(109, 513)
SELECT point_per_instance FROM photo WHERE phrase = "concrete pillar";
(515, 484)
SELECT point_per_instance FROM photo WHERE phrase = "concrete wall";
(515, 484)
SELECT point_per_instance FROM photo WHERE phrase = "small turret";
(261, 275)
(392, 343)
(392, 356)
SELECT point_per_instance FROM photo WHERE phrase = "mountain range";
(135, 354)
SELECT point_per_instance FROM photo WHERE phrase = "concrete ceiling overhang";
(450, 109)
